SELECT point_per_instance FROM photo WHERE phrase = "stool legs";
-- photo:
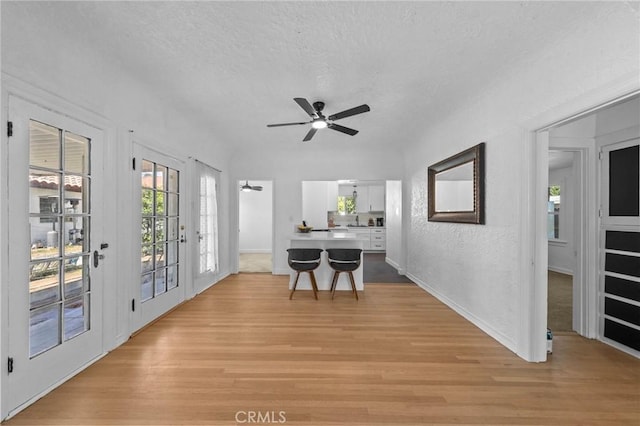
(334, 283)
(314, 284)
(353, 285)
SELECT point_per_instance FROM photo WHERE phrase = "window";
(346, 205)
(553, 213)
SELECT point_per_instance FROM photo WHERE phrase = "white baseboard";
(500, 337)
(257, 251)
(395, 265)
(560, 270)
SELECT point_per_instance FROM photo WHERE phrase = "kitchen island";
(324, 273)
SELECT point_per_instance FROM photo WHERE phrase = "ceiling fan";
(246, 187)
(319, 121)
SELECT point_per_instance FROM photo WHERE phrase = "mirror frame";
(475, 154)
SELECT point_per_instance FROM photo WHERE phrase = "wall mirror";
(456, 187)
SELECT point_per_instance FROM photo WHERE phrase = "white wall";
(393, 222)
(478, 269)
(256, 227)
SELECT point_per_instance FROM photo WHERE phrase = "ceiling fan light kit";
(319, 121)
(248, 188)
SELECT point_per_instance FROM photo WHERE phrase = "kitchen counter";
(324, 273)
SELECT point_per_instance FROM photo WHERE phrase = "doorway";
(255, 226)
(55, 291)
(600, 307)
(158, 182)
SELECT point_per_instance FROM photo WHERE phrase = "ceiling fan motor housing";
(318, 106)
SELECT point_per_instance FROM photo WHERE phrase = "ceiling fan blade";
(342, 129)
(305, 105)
(312, 132)
(349, 112)
(286, 124)
(256, 188)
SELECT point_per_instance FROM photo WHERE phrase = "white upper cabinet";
(376, 198)
(318, 197)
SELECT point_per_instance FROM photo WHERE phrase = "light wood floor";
(396, 356)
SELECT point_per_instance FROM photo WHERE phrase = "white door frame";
(235, 261)
(531, 344)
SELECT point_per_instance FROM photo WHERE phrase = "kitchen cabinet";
(378, 239)
(362, 200)
(373, 239)
(318, 197)
(376, 198)
(363, 235)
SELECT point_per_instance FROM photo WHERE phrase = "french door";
(54, 293)
(206, 210)
(620, 247)
(159, 283)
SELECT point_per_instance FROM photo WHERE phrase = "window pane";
(76, 320)
(44, 192)
(160, 223)
(159, 255)
(172, 229)
(147, 230)
(44, 329)
(146, 286)
(172, 253)
(44, 283)
(172, 185)
(76, 276)
(172, 205)
(147, 202)
(172, 277)
(76, 195)
(160, 196)
(147, 258)
(161, 285)
(161, 176)
(76, 154)
(76, 227)
(44, 145)
(44, 238)
(147, 174)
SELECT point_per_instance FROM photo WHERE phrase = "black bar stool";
(304, 260)
(344, 260)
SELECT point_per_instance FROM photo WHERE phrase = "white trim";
(478, 322)
(256, 251)
(561, 270)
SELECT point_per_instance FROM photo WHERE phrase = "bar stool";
(344, 260)
(304, 260)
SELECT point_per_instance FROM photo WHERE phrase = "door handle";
(97, 257)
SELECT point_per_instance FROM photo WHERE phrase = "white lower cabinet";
(372, 239)
(378, 239)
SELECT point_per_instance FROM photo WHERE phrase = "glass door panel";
(53, 292)
(160, 285)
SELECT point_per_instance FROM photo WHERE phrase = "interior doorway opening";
(255, 226)
(577, 169)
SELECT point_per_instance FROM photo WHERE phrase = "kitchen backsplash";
(350, 219)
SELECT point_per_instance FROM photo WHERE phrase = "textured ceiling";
(235, 66)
